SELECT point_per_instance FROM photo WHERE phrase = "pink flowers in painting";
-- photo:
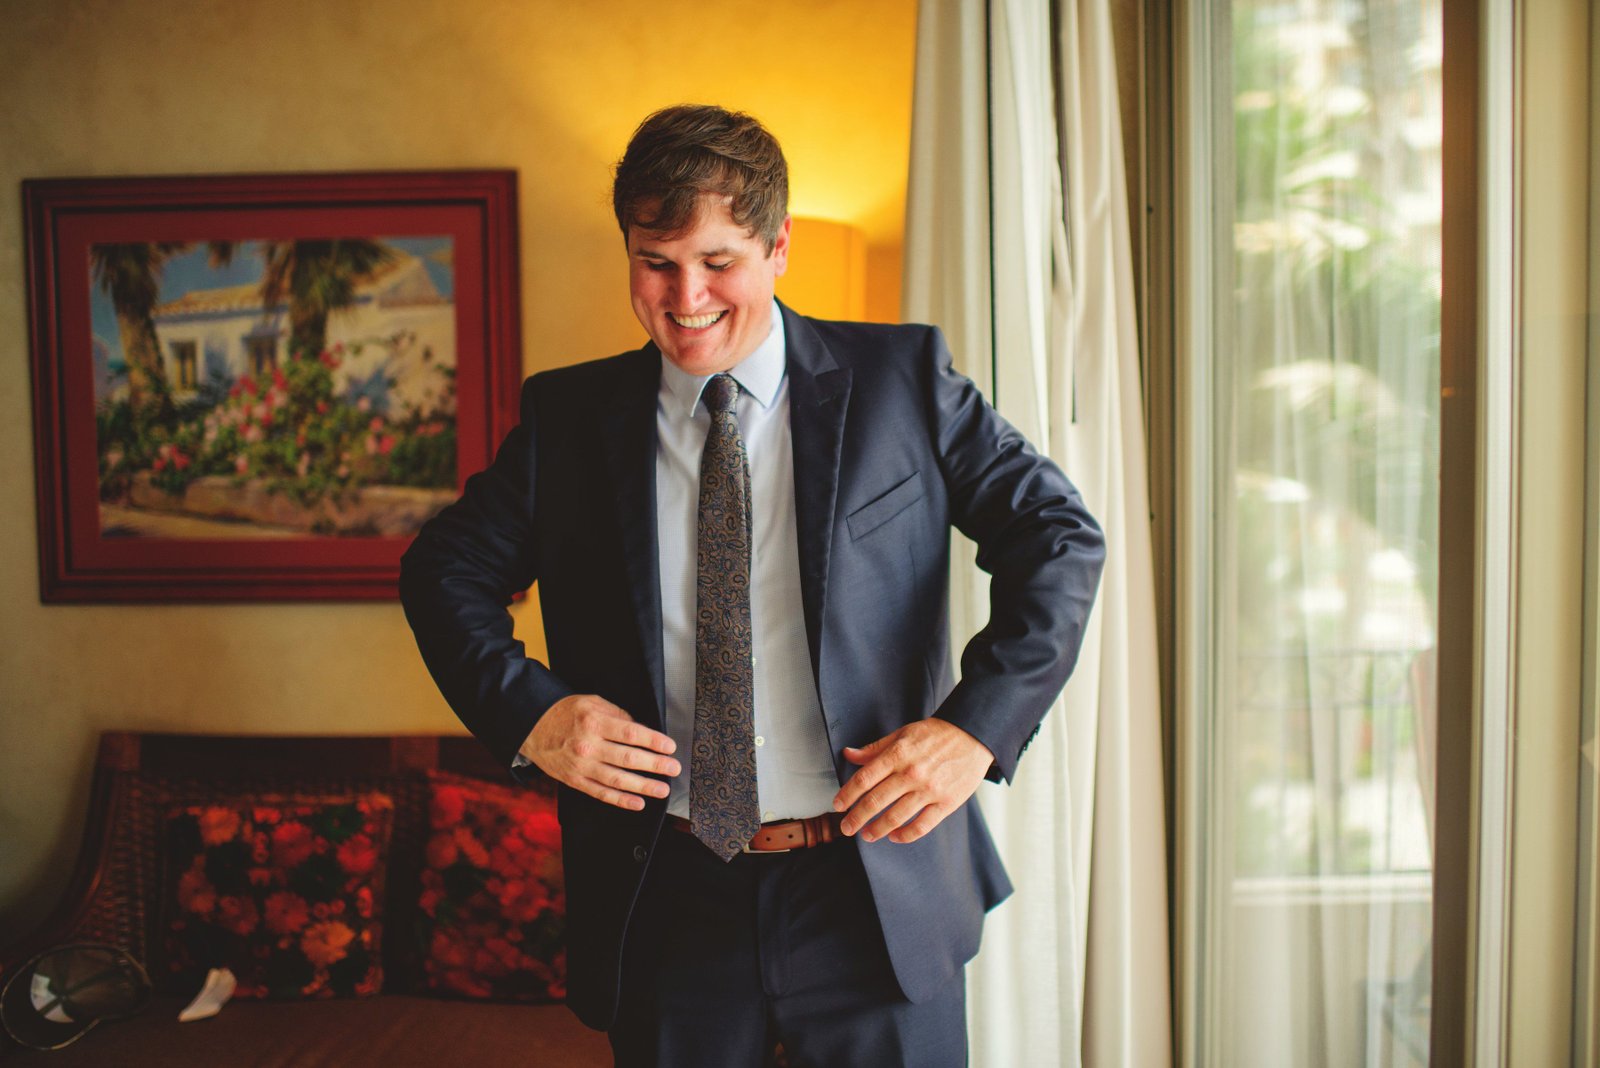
(294, 426)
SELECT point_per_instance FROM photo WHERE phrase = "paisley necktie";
(723, 807)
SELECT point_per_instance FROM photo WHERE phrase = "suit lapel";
(628, 430)
(819, 396)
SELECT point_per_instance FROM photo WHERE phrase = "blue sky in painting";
(192, 271)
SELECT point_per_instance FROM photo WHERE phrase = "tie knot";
(720, 393)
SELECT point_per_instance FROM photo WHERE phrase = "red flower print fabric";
(285, 892)
(492, 911)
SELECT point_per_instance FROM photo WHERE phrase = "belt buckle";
(746, 849)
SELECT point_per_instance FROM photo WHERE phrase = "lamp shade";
(827, 273)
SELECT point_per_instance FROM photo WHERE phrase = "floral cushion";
(492, 912)
(285, 892)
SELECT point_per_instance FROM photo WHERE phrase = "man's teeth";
(697, 322)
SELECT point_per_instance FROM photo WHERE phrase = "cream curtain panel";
(1018, 246)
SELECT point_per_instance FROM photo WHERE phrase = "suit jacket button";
(640, 853)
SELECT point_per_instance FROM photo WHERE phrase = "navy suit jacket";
(891, 449)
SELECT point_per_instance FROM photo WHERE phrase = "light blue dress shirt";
(794, 765)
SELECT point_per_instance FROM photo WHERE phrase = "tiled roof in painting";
(247, 298)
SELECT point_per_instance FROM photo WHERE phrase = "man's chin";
(699, 361)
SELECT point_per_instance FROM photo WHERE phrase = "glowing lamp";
(827, 274)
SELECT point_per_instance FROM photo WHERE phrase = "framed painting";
(259, 387)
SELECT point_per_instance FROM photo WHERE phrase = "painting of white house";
(274, 388)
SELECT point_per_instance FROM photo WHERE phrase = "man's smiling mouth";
(697, 322)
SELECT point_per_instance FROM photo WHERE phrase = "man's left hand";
(910, 780)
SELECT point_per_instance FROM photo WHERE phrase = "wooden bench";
(115, 892)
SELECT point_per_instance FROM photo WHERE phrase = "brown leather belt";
(784, 835)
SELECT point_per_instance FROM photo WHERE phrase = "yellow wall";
(551, 88)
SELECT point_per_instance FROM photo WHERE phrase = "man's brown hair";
(680, 153)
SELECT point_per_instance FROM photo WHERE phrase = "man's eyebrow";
(652, 254)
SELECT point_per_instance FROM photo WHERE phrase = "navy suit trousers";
(726, 960)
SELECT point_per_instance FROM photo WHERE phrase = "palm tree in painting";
(318, 278)
(130, 274)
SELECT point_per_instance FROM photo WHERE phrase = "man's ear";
(780, 248)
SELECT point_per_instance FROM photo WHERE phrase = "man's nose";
(691, 289)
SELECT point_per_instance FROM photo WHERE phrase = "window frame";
(261, 353)
(1179, 315)
(185, 361)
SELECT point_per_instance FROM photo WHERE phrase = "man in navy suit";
(840, 926)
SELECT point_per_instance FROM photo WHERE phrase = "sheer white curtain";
(1324, 420)
(1017, 244)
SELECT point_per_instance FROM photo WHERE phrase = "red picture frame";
(300, 509)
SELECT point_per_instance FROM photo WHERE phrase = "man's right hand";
(595, 747)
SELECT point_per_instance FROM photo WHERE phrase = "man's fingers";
(871, 803)
(628, 756)
(864, 754)
(602, 719)
(874, 769)
(893, 818)
(600, 791)
(613, 765)
(629, 732)
(869, 776)
(926, 820)
(910, 780)
(626, 781)
(593, 746)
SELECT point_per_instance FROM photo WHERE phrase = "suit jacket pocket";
(886, 506)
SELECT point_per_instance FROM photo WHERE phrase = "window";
(263, 352)
(1316, 412)
(183, 362)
